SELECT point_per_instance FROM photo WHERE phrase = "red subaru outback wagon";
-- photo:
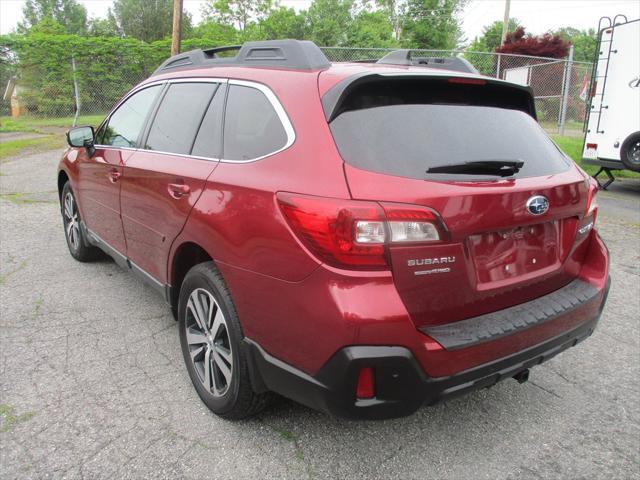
(362, 238)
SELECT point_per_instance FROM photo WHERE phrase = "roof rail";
(292, 54)
(404, 57)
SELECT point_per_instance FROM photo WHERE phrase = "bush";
(106, 68)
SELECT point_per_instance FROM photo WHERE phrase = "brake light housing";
(589, 220)
(356, 234)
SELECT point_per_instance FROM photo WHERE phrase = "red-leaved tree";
(547, 45)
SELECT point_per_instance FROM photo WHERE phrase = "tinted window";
(252, 127)
(178, 118)
(125, 124)
(406, 140)
(208, 142)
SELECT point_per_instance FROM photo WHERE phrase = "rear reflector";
(366, 387)
(592, 145)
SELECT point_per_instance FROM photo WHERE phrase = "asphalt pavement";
(92, 382)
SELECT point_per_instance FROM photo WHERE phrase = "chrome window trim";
(152, 84)
(271, 97)
(280, 111)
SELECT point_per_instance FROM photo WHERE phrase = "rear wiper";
(501, 168)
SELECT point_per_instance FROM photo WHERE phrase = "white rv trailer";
(612, 139)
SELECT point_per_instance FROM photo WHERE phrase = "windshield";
(407, 140)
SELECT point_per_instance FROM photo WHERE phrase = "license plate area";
(508, 254)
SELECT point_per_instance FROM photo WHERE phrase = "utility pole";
(505, 21)
(177, 27)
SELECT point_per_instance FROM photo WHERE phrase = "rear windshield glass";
(405, 140)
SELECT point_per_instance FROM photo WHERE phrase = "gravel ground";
(92, 383)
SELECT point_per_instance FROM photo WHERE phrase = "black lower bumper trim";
(401, 384)
(490, 326)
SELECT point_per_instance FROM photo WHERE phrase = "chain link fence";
(81, 88)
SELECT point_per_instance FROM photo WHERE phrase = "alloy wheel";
(208, 340)
(71, 221)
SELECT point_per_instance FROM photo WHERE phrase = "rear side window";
(404, 132)
(252, 128)
(125, 124)
(179, 116)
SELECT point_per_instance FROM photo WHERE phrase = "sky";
(538, 16)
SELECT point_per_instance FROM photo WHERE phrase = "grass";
(551, 125)
(4, 277)
(51, 128)
(24, 146)
(40, 125)
(572, 146)
(10, 418)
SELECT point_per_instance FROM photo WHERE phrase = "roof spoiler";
(333, 100)
(290, 54)
(404, 57)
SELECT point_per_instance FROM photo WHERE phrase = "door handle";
(178, 190)
(114, 175)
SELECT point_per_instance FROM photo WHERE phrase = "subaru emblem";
(537, 205)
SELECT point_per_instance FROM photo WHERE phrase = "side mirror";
(81, 137)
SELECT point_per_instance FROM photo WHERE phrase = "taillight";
(409, 224)
(592, 202)
(354, 234)
(589, 220)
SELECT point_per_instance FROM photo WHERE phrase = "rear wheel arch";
(186, 256)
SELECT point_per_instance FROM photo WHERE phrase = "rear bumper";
(604, 162)
(402, 386)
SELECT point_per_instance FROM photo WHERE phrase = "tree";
(216, 33)
(371, 29)
(239, 13)
(329, 21)
(547, 45)
(283, 23)
(68, 13)
(491, 36)
(103, 27)
(432, 24)
(584, 42)
(147, 20)
(395, 11)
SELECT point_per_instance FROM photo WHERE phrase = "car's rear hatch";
(494, 251)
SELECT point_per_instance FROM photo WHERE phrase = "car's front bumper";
(401, 385)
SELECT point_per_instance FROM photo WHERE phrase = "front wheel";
(79, 248)
(210, 337)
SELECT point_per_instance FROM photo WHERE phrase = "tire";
(630, 152)
(212, 349)
(79, 247)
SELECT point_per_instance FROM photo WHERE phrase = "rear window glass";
(406, 140)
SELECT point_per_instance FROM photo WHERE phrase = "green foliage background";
(113, 54)
(106, 68)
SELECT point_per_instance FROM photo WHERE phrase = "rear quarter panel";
(237, 220)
